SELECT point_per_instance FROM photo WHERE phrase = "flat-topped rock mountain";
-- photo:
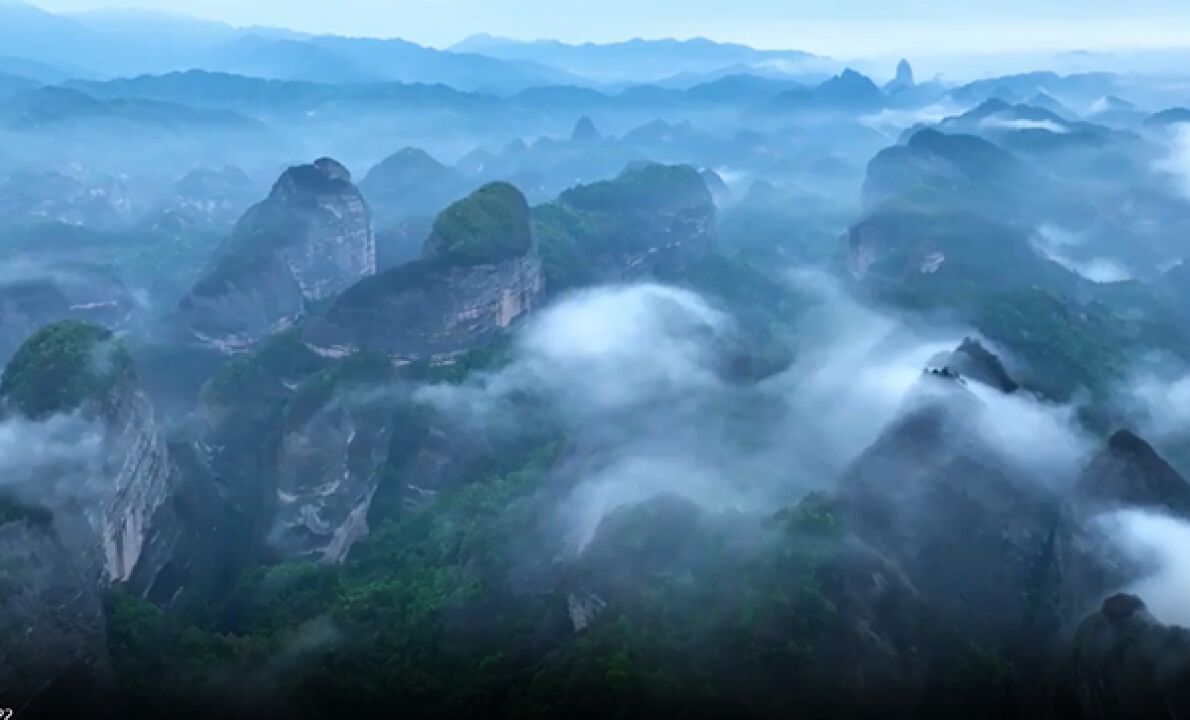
(479, 271)
(308, 241)
(651, 218)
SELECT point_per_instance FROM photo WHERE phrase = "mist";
(480, 376)
(1156, 543)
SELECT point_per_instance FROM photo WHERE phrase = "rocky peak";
(306, 182)
(478, 272)
(585, 131)
(308, 241)
(1123, 663)
(1128, 471)
(971, 360)
(410, 183)
(976, 531)
(904, 73)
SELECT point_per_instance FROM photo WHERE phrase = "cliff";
(97, 474)
(308, 241)
(479, 271)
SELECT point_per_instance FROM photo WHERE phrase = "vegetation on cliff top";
(489, 226)
(61, 366)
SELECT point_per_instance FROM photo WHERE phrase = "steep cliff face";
(335, 438)
(479, 272)
(308, 241)
(651, 218)
(80, 370)
(88, 504)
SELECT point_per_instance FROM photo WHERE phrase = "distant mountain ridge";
(642, 59)
(130, 43)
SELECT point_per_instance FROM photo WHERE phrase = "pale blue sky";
(841, 27)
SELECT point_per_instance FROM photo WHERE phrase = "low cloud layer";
(635, 375)
(1177, 163)
(1003, 123)
(1058, 245)
(40, 452)
(1157, 544)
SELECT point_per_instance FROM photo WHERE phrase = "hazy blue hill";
(743, 88)
(11, 85)
(1172, 116)
(130, 42)
(847, 92)
(1026, 127)
(410, 183)
(55, 104)
(637, 59)
(568, 98)
(403, 61)
(32, 34)
(938, 168)
(1083, 88)
(1045, 101)
(282, 59)
(201, 88)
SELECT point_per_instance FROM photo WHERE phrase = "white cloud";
(1177, 163)
(1156, 543)
(1001, 123)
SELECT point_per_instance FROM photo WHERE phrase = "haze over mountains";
(346, 377)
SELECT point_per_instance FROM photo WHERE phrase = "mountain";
(11, 85)
(651, 218)
(1080, 90)
(848, 92)
(130, 43)
(1128, 472)
(479, 271)
(1125, 663)
(29, 197)
(309, 240)
(74, 523)
(402, 61)
(217, 90)
(46, 294)
(43, 108)
(932, 493)
(903, 79)
(1171, 116)
(408, 184)
(637, 59)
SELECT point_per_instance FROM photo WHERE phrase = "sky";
(838, 27)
